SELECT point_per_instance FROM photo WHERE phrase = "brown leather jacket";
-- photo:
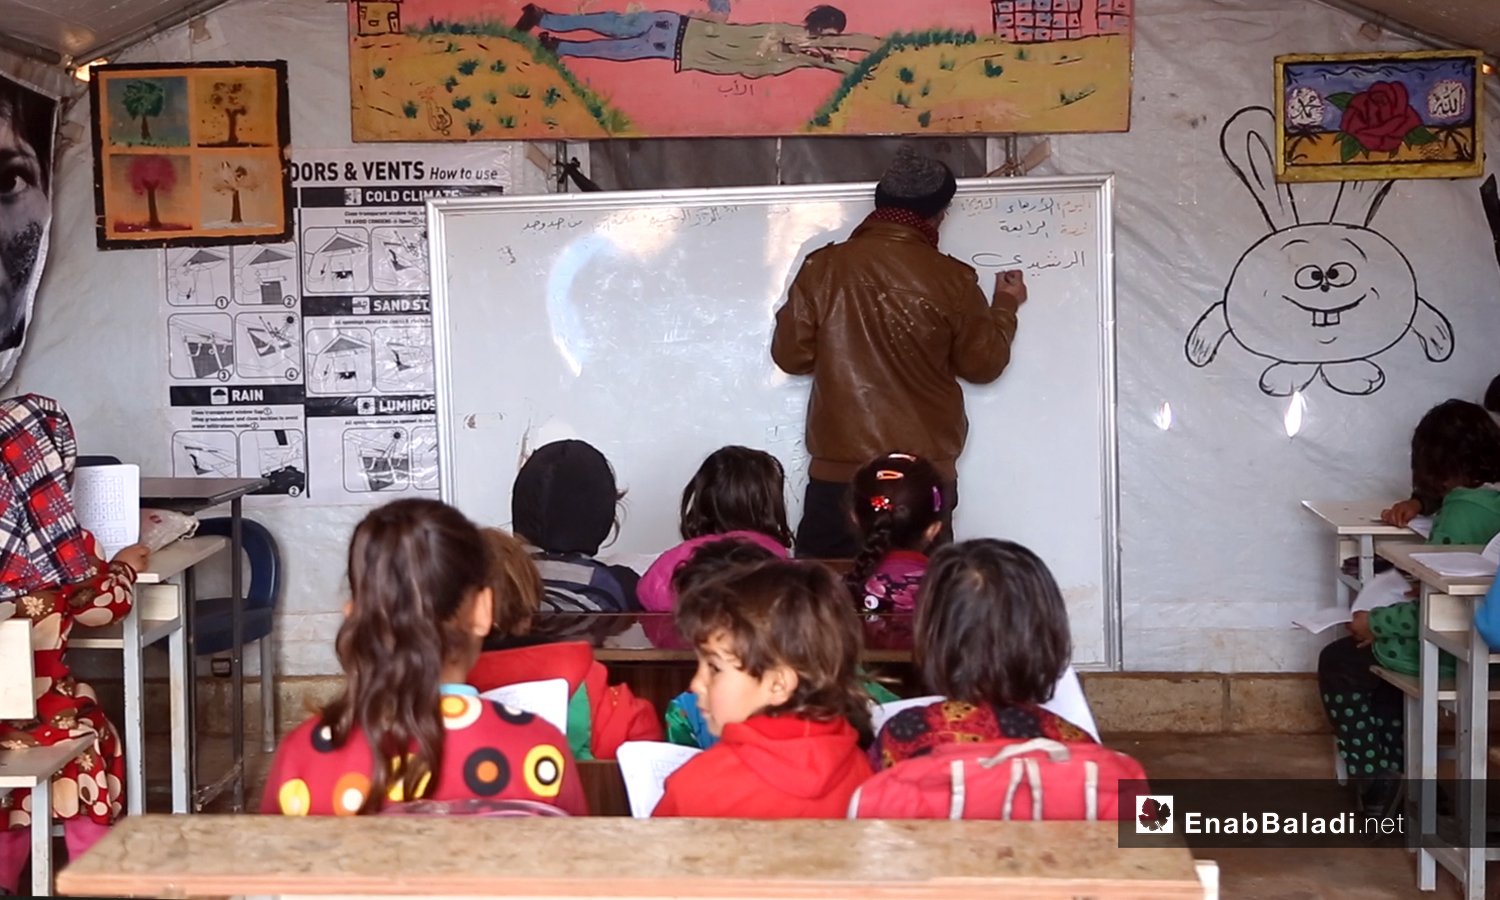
(886, 325)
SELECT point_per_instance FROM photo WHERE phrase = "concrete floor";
(1245, 874)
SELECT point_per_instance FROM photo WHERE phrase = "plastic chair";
(213, 627)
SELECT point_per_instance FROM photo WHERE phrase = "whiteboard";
(641, 322)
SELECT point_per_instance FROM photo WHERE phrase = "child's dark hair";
(714, 558)
(412, 566)
(565, 499)
(825, 19)
(515, 580)
(1492, 396)
(895, 498)
(736, 489)
(991, 625)
(1456, 444)
(787, 613)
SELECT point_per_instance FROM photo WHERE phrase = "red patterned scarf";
(41, 545)
(905, 217)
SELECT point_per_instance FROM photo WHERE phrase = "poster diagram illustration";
(399, 259)
(266, 275)
(278, 455)
(200, 346)
(403, 360)
(424, 458)
(336, 260)
(205, 453)
(268, 345)
(198, 276)
(377, 459)
(340, 361)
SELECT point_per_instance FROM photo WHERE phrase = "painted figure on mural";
(747, 50)
(26, 120)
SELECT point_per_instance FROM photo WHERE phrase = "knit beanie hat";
(564, 498)
(917, 183)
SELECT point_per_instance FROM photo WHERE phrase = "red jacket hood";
(802, 757)
(569, 660)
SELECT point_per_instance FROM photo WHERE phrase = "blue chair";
(213, 627)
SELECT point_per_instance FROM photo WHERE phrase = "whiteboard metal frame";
(440, 208)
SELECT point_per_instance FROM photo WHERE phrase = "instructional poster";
(310, 363)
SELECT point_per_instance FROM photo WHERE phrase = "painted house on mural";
(378, 18)
(1039, 21)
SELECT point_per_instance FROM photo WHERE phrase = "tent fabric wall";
(1217, 557)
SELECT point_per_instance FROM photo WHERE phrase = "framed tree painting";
(191, 154)
(1357, 116)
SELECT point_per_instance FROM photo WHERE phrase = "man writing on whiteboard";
(886, 325)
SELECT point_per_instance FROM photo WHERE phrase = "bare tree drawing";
(231, 179)
(228, 97)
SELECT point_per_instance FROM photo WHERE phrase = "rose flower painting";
(1379, 116)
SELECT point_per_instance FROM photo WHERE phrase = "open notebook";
(645, 765)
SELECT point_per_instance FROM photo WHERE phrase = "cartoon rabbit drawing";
(1318, 299)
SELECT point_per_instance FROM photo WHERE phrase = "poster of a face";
(27, 125)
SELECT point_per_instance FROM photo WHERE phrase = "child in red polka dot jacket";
(407, 727)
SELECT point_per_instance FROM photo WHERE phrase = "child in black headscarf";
(563, 506)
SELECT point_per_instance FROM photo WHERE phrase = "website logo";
(1153, 814)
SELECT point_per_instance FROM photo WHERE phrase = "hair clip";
(902, 456)
(880, 503)
(888, 475)
(937, 499)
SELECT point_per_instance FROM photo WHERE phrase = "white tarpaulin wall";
(1216, 556)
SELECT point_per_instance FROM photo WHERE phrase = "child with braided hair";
(898, 510)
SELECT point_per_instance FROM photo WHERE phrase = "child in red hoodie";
(778, 683)
(601, 716)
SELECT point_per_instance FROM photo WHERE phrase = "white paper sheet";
(644, 766)
(1386, 589)
(548, 699)
(107, 502)
(1421, 525)
(1321, 620)
(1457, 565)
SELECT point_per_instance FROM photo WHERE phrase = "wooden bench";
(712, 859)
(33, 769)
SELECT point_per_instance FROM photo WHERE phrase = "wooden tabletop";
(200, 856)
(1356, 517)
(179, 556)
(1400, 556)
(193, 494)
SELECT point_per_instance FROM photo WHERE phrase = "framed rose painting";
(1358, 116)
(191, 154)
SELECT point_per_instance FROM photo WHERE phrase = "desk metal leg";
(236, 652)
(41, 838)
(190, 687)
(134, 725)
(1427, 759)
(1366, 558)
(1473, 732)
(178, 669)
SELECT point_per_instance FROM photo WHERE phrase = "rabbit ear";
(1247, 146)
(1358, 201)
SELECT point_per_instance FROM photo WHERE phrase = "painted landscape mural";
(435, 70)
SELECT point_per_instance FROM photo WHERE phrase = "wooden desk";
(1447, 623)
(1356, 525)
(191, 495)
(204, 856)
(161, 610)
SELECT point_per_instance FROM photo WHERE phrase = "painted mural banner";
(28, 121)
(1376, 116)
(309, 362)
(191, 154)
(457, 70)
